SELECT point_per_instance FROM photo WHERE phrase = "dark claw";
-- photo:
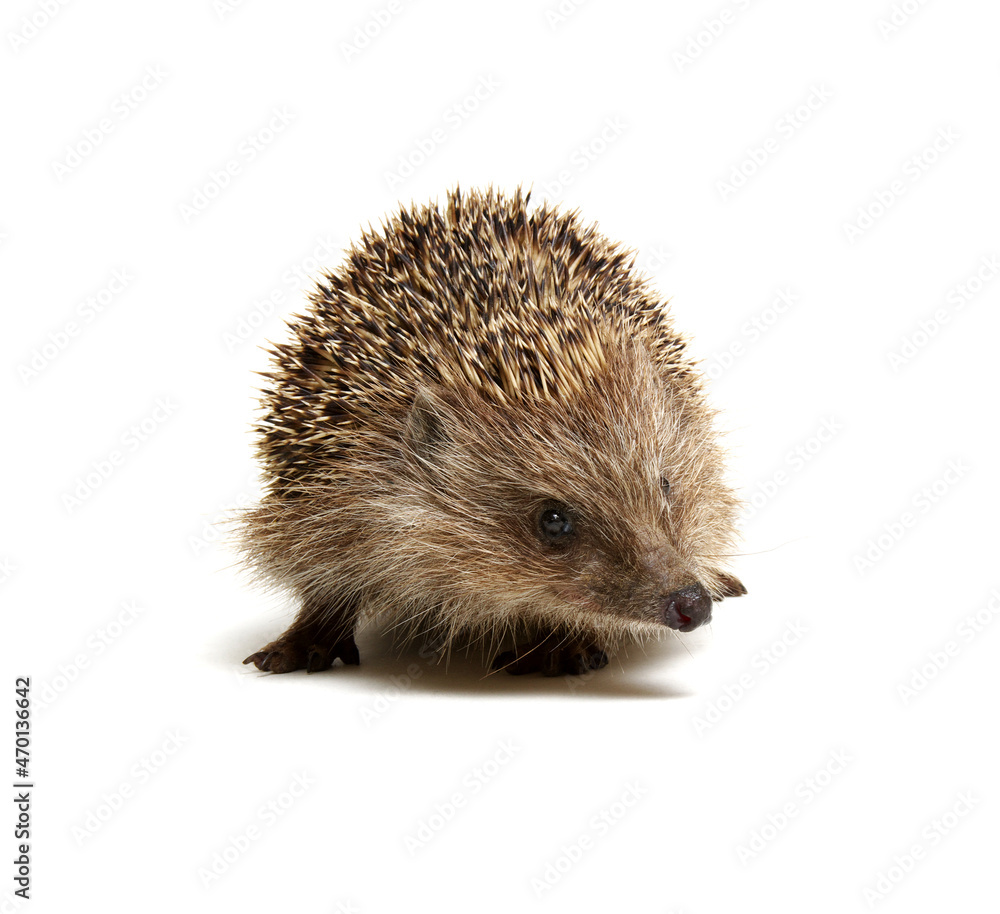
(261, 660)
(348, 652)
(318, 661)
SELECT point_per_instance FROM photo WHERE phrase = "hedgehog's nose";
(687, 608)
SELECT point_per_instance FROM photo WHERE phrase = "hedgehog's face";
(609, 510)
(594, 575)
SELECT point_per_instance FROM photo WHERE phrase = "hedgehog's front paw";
(552, 656)
(280, 657)
(286, 655)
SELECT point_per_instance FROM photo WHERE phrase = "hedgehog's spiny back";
(483, 295)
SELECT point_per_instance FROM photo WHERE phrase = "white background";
(791, 757)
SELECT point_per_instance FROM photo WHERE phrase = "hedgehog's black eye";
(665, 485)
(555, 526)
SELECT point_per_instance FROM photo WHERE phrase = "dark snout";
(687, 608)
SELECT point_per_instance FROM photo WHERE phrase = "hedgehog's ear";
(427, 424)
(728, 585)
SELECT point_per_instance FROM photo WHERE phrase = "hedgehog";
(486, 430)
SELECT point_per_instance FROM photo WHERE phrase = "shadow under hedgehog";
(486, 429)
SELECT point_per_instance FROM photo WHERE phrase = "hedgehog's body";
(487, 426)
